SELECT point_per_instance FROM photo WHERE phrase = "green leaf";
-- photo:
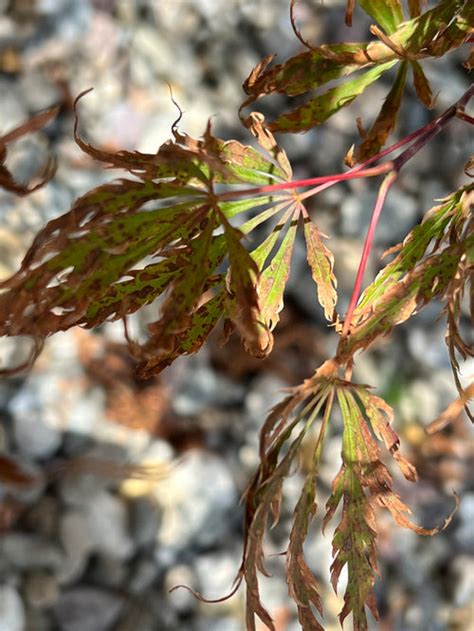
(321, 262)
(431, 34)
(384, 123)
(233, 208)
(415, 246)
(363, 484)
(437, 31)
(307, 71)
(143, 286)
(273, 280)
(388, 13)
(322, 107)
(426, 281)
(124, 244)
(201, 324)
(187, 288)
(380, 416)
(263, 251)
(354, 541)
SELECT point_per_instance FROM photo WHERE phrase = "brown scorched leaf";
(452, 412)
(461, 283)
(12, 474)
(302, 584)
(35, 123)
(415, 6)
(263, 498)
(422, 85)
(321, 262)
(124, 244)
(201, 323)
(385, 122)
(243, 304)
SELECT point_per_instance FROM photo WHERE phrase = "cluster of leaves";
(122, 245)
(402, 43)
(434, 261)
(179, 230)
(362, 485)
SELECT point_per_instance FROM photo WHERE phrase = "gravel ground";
(86, 548)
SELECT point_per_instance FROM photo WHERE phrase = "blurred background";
(90, 542)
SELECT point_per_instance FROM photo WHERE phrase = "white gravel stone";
(12, 612)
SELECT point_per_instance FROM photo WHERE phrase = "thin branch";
(381, 197)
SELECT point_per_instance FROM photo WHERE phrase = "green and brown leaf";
(430, 34)
(166, 233)
(364, 484)
(433, 255)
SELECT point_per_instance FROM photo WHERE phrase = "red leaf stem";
(382, 195)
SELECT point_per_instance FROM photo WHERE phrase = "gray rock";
(71, 569)
(197, 387)
(216, 572)
(14, 351)
(427, 345)
(12, 612)
(464, 533)
(137, 617)
(29, 551)
(74, 533)
(219, 624)
(87, 609)
(76, 540)
(38, 620)
(108, 526)
(182, 600)
(266, 391)
(29, 494)
(34, 436)
(463, 591)
(143, 575)
(44, 517)
(41, 589)
(399, 214)
(145, 521)
(37, 92)
(108, 572)
(12, 110)
(81, 489)
(424, 400)
(197, 501)
(27, 157)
